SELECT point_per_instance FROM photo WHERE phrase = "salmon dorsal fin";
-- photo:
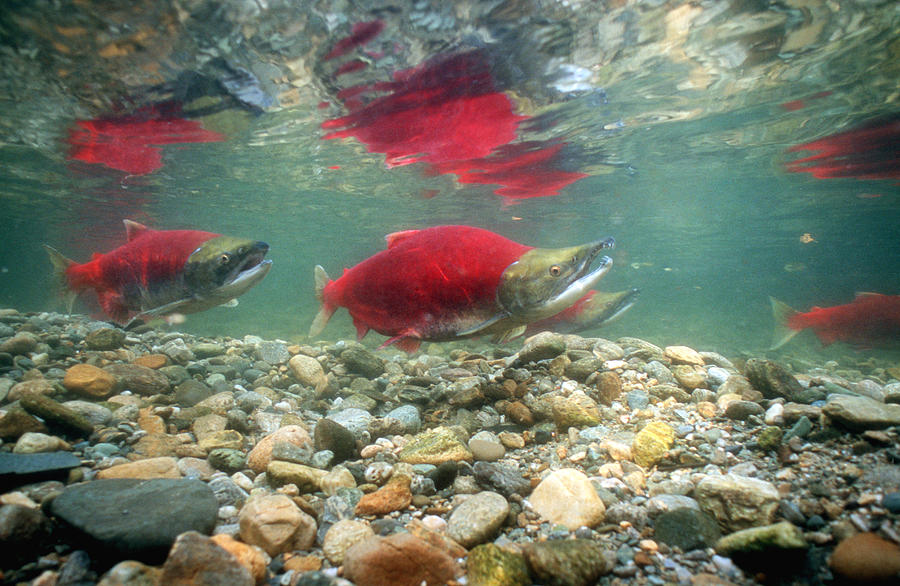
(395, 238)
(133, 229)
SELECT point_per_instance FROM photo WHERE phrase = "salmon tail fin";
(325, 313)
(783, 333)
(60, 265)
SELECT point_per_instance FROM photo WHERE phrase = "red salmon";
(451, 282)
(871, 319)
(159, 272)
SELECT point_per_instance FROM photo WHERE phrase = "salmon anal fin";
(395, 238)
(404, 342)
(133, 229)
(361, 329)
(112, 305)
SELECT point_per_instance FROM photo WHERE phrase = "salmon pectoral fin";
(783, 333)
(318, 323)
(483, 325)
(508, 335)
(325, 313)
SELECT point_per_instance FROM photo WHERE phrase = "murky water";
(672, 126)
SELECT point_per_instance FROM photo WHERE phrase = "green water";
(692, 184)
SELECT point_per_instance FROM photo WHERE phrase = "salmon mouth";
(584, 277)
(622, 305)
(250, 271)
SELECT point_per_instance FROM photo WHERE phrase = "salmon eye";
(555, 271)
(224, 258)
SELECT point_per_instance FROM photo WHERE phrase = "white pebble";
(775, 414)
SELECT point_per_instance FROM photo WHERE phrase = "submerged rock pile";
(161, 458)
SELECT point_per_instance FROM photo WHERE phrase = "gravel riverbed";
(157, 457)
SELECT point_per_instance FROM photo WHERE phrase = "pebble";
(400, 559)
(866, 558)
(197, 559)
(568, 498)
(663, 450)
(342, 536)
(276, 524)
(477, 519)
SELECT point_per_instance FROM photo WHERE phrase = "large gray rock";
(737, 502)
(133, 518)
(861, 413)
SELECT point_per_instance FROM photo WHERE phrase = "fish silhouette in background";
(595, 309)
(451, 282)
(449, 114)
(871, 151)
(871, 319)
(162, 272)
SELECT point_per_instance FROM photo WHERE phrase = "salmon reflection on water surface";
(162, 272)
(449, 114)
(450, 282)
(130, 143)
(871, 151)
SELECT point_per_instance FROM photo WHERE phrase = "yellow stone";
(652, 442)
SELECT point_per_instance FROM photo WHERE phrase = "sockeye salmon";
(871, 319)
(593, 310)
(160, 272)
(450, 282)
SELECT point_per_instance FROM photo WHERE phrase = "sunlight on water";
(674, 128)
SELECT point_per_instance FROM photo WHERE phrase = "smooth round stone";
(567, 497)
(891, 502)
(207, 349)
(136, 518)
(486, 446)
(686, 528)
(355, 420)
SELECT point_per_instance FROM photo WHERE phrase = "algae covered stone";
(652, 442)
(491, 565)
(572, 562)
(576, 410)
(435, 446)
(782, 535)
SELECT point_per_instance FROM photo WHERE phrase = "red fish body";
(871, 319)
(437, 284)
(426, 283)
(164, 271)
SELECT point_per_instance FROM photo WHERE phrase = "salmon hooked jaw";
(587, 279)
(545, 281)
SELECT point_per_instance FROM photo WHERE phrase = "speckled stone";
(491, 565)
(576, 410)
(401, 559)
(738, 502)
(435, 446)
(342, 536)
(575, 562)
(478, 518)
